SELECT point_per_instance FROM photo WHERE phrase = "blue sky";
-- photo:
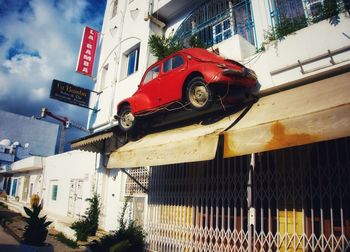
(39, 41)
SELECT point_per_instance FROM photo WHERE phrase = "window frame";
(171, 60)
(54, 192)
(145, 81)
(136, 62)
(223, 31)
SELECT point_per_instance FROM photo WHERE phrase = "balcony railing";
(288, 16)
(215, 21)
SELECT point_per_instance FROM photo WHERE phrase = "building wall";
(34, 183)
(131, 27)
(121, 34)
(40, 135)
(60, 170)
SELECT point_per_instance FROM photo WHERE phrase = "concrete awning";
(311, 113)
(28, 164)
(92, 142)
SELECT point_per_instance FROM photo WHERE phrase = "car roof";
(199, 53)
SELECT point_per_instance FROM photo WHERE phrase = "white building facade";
(277, 178)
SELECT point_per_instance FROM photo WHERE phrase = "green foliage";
(286, 26)
(329, 10)
(128, 238)
(62, 238)
(88, 225)
(162, 47)
(196, 42)
(35, 231)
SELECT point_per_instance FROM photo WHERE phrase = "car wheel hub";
(127, 120)
(199, 95)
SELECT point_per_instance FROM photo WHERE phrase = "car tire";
(126, 120)
(198, 94)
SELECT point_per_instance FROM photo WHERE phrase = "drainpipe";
(250, 203)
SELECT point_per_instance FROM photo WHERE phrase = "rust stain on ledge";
(280, 139)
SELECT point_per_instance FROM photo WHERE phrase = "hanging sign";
(87, 51)
(69, 93)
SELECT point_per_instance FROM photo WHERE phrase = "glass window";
(54, 192)
(133, 61)
(173, 63)
(152, 73)
(14, 187)
(222, 31)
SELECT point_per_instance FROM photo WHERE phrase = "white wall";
(119, 35)
(35, 177)
(129, 28)
(60, 169)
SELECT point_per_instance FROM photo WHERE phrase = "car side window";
(152, 74)
(173, 63)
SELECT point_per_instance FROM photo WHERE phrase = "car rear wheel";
(198, 94)
(126, 119)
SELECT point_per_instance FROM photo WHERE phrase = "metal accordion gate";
(300, 202)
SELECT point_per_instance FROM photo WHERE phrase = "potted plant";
(35, 232)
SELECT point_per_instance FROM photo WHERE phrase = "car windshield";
(151, 74)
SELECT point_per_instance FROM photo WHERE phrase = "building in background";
(21, 138)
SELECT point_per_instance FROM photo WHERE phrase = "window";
(222, 31)
(14, 187)
(210, 18)
(54, 192)
(133, 61)
(152, 73)
(114, 8)
(173, 63)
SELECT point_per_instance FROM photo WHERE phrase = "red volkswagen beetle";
(192, 77)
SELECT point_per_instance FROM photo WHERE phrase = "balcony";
(167, 10)
(310, 51)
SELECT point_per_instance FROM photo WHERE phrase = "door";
(171, 80)
(75, 197)
(25, 188)
(148, 93)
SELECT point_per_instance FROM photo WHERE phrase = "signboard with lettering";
(69, 93)
(87, 51)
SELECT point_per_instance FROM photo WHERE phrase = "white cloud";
(54, 31)
(38, 94)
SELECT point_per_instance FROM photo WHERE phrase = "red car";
(192, 77)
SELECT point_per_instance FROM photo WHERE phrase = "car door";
(172, 78)
(148, 92)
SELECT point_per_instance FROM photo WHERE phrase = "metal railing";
(300, 199)
(200, 22)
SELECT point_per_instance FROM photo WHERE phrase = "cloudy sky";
(39, 41)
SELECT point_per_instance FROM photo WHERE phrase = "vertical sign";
(87, 51)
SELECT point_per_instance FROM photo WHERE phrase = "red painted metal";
(168, 87)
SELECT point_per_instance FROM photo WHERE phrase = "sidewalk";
(15, 227)
(7, 242)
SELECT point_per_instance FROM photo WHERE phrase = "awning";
(93, 142)
(314, 112)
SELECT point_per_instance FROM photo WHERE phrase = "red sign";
(87, 51)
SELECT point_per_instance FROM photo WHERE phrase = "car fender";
(135, 101)
(208, 71)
